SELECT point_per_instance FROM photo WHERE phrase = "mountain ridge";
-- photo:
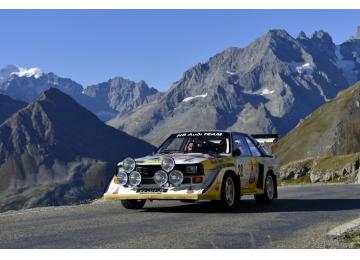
(54, 145)
(266, 87)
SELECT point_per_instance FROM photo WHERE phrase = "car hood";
(180, 158)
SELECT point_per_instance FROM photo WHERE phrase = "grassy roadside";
(353, 238)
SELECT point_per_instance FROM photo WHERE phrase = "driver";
(190, 147)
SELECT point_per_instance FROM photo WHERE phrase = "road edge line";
(345, 227)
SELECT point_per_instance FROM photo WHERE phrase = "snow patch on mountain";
(194, 97)
(24, 72)
(347, 67)
(266, 91)
(230, 72)
(301, 68)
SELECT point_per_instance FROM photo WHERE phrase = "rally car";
(206, 165)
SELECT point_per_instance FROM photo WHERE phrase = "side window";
(240, 143)
(254, 150)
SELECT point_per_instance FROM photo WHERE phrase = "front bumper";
(156, 196)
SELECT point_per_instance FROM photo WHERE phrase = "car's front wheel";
(269, 191)
(133, 204)
(230, 192)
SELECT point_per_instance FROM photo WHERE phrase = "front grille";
(149, 170)
(148, 181)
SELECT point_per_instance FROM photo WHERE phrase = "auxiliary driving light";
(129, 164)
(167, 163)
(134, 178)
(160, 178)
(122, 177)
(176, 178)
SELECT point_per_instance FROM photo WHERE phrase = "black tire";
(269, 191)
(133, 204)
(229, 199)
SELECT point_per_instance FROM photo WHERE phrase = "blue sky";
(92, 46)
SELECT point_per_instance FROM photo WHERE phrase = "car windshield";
(196, 142)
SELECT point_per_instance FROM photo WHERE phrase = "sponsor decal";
(151, 190)
(241, 169)
(194, 134)
(190, 190)
(252, 177)
(116, 191)
(254, 166)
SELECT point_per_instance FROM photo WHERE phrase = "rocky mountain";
(29, 84)
(55, 152)
(9, 106)
(117, 96)
(266, 87)
(332, 129)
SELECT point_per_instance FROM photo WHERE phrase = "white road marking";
(341, 229)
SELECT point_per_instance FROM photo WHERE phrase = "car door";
(243, 162)
(256, 166)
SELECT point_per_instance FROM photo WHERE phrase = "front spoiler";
(157, 196)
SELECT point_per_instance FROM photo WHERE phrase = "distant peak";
(53, 94)
(279, 33)
(25, 72)
(53, 91)
(302, 35)
(321, 35)
(357, 35)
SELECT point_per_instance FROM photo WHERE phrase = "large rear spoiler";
(265, 141)
(266, 138)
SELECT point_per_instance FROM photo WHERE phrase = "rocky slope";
(339, 168)
(55, 152)
(9, 106)
(326, 145)
(117, 96)
(267, 87)
(332, 129)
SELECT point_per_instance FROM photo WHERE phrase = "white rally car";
(206, 165)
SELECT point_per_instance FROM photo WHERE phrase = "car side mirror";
(236, 152)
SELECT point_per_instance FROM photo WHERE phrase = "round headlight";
(122, 177)
(129, 164)
(160, 178)
(167, 164)
(134, 178)
(176, 177)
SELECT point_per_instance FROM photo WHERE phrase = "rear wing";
(265, 141)
(266, 138)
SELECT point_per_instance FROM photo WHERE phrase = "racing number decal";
(253, 170)
(241, 169)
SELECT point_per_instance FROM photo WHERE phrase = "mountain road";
(300, 218)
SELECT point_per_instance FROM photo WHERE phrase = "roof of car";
(210, 131)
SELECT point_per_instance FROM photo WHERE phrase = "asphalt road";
(300, 218)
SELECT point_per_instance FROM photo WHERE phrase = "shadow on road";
(250, 206)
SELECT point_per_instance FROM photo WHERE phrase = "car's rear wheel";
(230, 192)
(269, 191)
(133, 204)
